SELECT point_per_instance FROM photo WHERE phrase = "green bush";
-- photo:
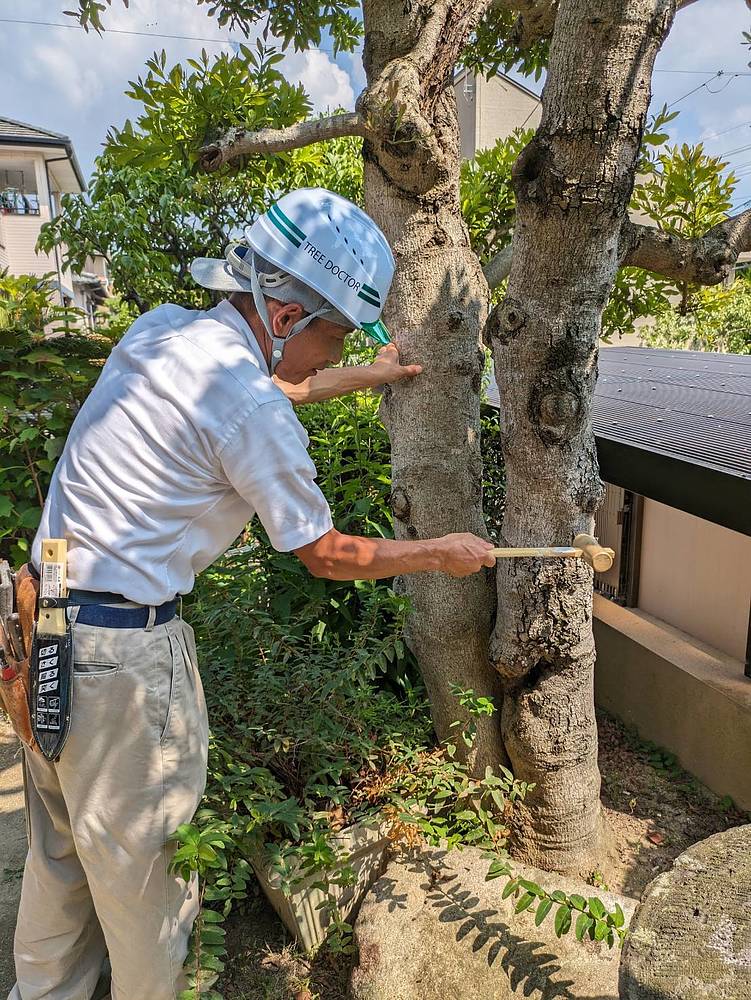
(43, 382)
(308, 737)
(720, 321)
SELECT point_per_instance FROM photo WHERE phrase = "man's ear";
(284, 316)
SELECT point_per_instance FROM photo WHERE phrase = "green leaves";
(543, 909)
(299, 26)
(524, 901)
(487, 196)
(592, 917)
(562, 920)
(719, 320)
(41, 390)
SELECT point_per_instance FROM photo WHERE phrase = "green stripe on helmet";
(289, 223)
(378, 331)
(283, 230)
(369, 299)
(372, 291)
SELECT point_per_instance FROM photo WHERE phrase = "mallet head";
(599, 558)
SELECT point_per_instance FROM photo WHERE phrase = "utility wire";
(703, 72)
(142, 34)
(732, 152)
(716, 135)
(715, 76)
(225, 41)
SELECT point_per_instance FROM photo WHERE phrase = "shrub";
(720, 321)
(48, 365)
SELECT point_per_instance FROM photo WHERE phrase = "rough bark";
(436, 308)
(572, 184)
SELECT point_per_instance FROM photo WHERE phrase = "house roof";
(15, 133)
(675, 426)
(459, 76)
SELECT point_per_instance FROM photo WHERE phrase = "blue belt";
(100, 614)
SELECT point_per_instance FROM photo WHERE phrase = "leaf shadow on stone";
(529, 965)
(383, 890)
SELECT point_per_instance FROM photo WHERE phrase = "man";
(183, 439)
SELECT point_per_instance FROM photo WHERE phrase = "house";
(672, 618)
(491, 109)
(37, 167)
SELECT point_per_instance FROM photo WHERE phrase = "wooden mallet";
(585, 547)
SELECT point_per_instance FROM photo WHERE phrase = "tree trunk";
(436, 310)
(572, 183)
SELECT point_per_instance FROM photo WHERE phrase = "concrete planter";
(365, 844)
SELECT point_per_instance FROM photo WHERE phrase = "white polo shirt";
(182, 440)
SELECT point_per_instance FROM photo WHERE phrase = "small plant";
(591, 916)
(597, 879)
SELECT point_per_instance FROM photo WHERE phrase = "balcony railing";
(15, 202)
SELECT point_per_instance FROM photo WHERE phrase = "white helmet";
(325, 242)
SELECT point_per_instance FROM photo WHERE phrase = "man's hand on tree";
(388, 368)
(332, 382)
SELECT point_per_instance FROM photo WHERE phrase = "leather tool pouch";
(15, 685)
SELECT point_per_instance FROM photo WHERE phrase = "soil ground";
(655, 811)
(12, 849)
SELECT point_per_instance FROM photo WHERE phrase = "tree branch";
(706, 259)
(535, 21)
(498, 267)
(441, 42)
(237, 142)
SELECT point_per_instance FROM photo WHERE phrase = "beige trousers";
(97, 877)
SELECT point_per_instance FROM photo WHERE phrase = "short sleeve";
(267, 462)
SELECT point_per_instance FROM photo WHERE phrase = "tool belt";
(36, 654)
(18, 605)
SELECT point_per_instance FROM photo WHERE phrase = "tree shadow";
(529, 965)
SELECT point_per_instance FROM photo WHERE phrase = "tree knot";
(506, 321)
(400, 504)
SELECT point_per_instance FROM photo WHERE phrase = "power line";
(716, 135)
(704, 72)
(715, 76)
(142, 34)
(732, 152)
(700, 87)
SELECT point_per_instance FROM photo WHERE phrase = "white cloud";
(327, 84)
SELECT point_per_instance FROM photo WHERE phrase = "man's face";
(319, 345)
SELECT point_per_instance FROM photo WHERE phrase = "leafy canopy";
(149, 212)
(493, 46)
(300, 24)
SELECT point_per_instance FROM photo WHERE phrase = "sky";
(62, 79)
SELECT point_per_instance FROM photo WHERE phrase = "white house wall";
(696, 576)
(501, 108)
(490, 110)
(19, 233)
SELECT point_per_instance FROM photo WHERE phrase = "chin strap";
(278, 343)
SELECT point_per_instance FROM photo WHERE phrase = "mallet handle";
(585, 547)
(554, 552)
(53, 583)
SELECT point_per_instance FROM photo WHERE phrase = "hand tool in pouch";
(18, 603)
(51, 669)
